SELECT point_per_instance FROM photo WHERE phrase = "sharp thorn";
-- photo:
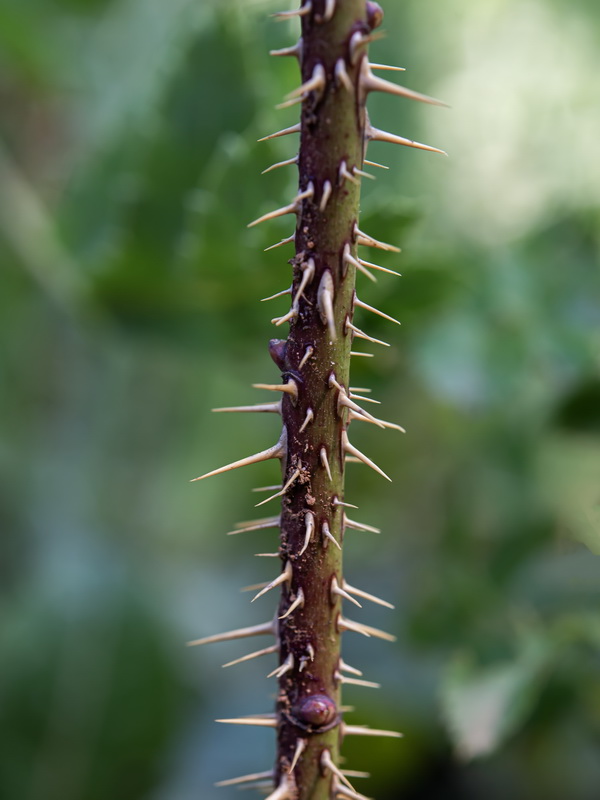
(365, 595)
(387, 66)
(341, 75)
(316, 83)
(240, 633)
(325, 303)
(300, 748)
(277, 451)
(283, 489)
(283, 792)
(308, 272)
(344, 793)
(329, 10)
(349, 259)
(279, 212)
(376, 135)
(282, 132)
(285, 163)
(299, 12)
(327, 763)
(363, 730)
(256, 776)
(296, 50)
(327, 190)
(283, 577)
(266, 488)
(360, 389)
(366, 630)
(336, 589)
(283, 241)
(363, 335)
(371, 83)
(329, 536)
(307, 354)
(278, 294)
(375, 164)
(309, 527)
(281, 670)
(376, 266)
(325, 462)
(363, 174)
(379, 313)
(336, 502)
(307, 420)
(382, 422)
(256, 526)
(298, 603)
(347, 668)
(369, 241)
(359, 526)
(291, 314)
(291, 387)
(356, 773)
(264, 652)
(274, 408)
(346, 175)
(357, 682)
(364, 355)
(258, 721)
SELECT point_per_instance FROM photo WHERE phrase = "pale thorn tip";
(337, 590)
(308, 273)
(359, 40)
(363, 174)
(306, 8)
(375, 164)
(307, 354)
(364, 355)
(366, 630)
(240, 633)
(345, 175)
(277, 451)
(367, 307)
(307, 420)
(266, 555)
(327, 190)
(283, 132)
(376, 135)
(346, 402)
(300, 748)
(382, 422)
(330, 6)
(281, 670)
(341, 75)
(325, 303)
(329, 536)
(291, 387)
(283, 577)
(363, 335)
(341, 791)
(282, 242)
(256, 526)
(298, 603)
(325, 462)
(316, 83)
(356, 773)
(283, 489)
(256, 776)
(363, 730)
(295, 50)
(327, 763)
(359, 526)
(284, 791)
(349, 259)
(257, 653)
(387, 66)
(291, 314)
(337, 502)
(258, 721)
(376, 266)
(357, 682)
(366, 596)
(285, 163)
(369, 241)
(347, 668)
(363, 389)
(371, 83)
(277, 294)
(279, 212)
(309, 527)
(273, 408)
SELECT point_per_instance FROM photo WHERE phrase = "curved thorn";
(329, 536)
(280, 671)
(309, 526)
(357, 682)
(327, 763)
(283, 792)
(298, 603)
(325, 462)
(285, 163)
(295, 50)
(363, 174)
(260, 525)
(336, 502)
(308, 272)
(325, 303)
(341, 75)
(316, 83)
(279, 212)
(307, 420)
(277, 451)
(291, 314)
(283, 489)
(278, 294)
(307, 354)
(345, 174)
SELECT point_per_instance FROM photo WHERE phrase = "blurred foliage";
(128, 171)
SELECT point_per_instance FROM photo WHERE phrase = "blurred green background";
(129, 307)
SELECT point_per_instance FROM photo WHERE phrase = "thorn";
(363, 174)
(253, 587)
(329, 10)
(279, 671)
(241, 633)
(363, 730)
(292, 208)
(341, 75)
(307, 420)
(286, 163)
(309, 526)
(347, 794)
(359, 40)
(300, 748)
(366, 595)
(349, 259)
(283, 792)
(316, 83)
(277, 451)
(388, 67)
(325, 303)
(274, 408)
(282, 132)
(278, 294)
(329, 536)
(367, 307)
(327, 763)
(325, 462)
(293, 312)
(375, 164)
(256, 776)
(266, 651)
(298, 603)
(344, 400)
(376, 266)
(360, 389)
(370, 242)
(382, 422)
(267, 555)
(359, 526)
(345, 174)
(259, 525)
(327, 190)
(375, 135)
(300, 12)
(283, 241)
(364, 355)
(357, 682)
(261, 722)
(363, 335)
(347, 668)
(283, 489)
(283, 577)
(366, 630)
(308, 273)
(355, 773)
(336, 502)
(335, 589)
(291, 387)
(307, 354)
(296, 50)
(371, 83)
